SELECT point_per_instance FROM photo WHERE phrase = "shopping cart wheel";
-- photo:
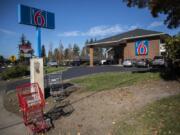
(68, 109)
(55, 113)
(49, 121)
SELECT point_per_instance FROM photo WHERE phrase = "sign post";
(40, 19)
(38, 38)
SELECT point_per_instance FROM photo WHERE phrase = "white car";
(53, 63)
(103, 62)
(127, 63)
(158, 61)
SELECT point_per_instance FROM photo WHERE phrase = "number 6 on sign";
(39, 19)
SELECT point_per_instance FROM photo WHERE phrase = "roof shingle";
(129, 34)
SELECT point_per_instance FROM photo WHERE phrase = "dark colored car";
(76, 63)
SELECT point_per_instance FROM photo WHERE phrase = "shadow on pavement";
(11, 125)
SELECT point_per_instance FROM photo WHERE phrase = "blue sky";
(75, 21)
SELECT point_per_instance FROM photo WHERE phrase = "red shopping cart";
(32, 103)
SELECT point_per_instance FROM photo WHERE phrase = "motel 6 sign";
(38, 18)
(141, 47)
(35, 17)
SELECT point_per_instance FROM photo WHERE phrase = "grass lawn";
(105, 81)
(54, 69)
(159, 118)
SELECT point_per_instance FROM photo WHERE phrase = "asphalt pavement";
(77, 72)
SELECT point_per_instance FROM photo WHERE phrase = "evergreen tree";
(66, 53)
(29, 44)
(22, 39)
(76, 50)
(50, 53)
(61, 51)
(87, 42)
(83, 52)
(91, 41)
(70, 52)
(43, 54)
(57, 55)
(1, 59)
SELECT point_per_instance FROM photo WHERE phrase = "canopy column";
(91, 52)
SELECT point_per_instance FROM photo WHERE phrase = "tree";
(76, 50)
(1, 59)
(84, 52)
(86, 48)
(173, 48)
(28, 43)
(66, 53)
(57, 55)
(50, 53)
(70, 52)
(23, 39)
(98, 53)
(61, 52)
(171, 8)
(91, 41)
(22, 42)
(87, 41)
(43, 53)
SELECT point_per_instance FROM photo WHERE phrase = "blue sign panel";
(35, 17)
(141, 47)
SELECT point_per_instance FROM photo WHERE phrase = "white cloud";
(69, 34)
(155, 24)
(102, 30)
(8, 32)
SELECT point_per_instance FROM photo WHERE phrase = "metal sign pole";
(38, 38)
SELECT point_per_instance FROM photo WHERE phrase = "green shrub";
(16, 71)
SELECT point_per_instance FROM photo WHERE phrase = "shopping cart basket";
(56, 87)
(31, 103)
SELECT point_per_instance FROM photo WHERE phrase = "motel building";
(134, 44)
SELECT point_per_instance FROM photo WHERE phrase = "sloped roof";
(137, 33)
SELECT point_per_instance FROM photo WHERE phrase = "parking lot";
(81, 71)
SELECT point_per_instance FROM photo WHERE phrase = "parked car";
(144, 62)
(127, 63)
(10, 65)
(3, 67)
(52, 64)
(76, 63)
(102, 62)
(106, 62)
(158, 61)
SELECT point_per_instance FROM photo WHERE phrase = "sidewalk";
(10, 124)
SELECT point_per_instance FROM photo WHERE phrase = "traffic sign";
(35, 17)
(12, 58)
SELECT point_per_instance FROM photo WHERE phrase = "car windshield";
(127, 60)
(158, 57)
